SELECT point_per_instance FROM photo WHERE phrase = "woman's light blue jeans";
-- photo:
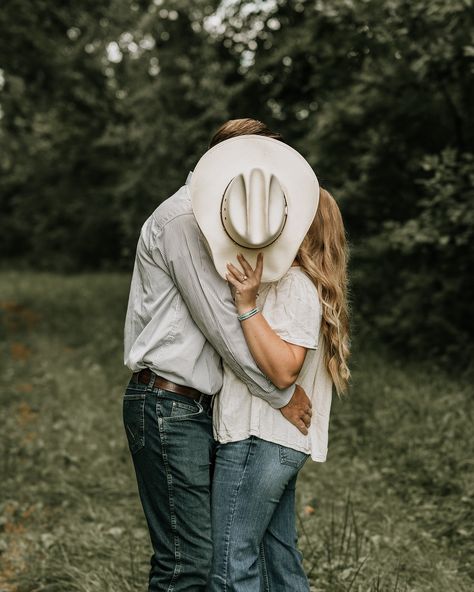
(253, 519)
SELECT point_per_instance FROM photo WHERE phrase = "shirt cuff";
(281, 397)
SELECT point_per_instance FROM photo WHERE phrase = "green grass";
(391, 510)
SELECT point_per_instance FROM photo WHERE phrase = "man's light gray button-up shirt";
(181, 318)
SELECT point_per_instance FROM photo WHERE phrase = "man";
(181, 321)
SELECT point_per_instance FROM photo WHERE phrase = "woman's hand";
(245, 284)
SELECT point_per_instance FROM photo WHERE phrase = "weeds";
(391, 510)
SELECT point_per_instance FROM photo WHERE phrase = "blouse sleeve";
(292, 309)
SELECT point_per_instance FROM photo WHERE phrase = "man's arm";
(210, 303)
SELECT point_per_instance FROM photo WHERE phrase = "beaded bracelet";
(248, 314)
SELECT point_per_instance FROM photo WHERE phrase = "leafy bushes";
(414, 283)
(105, 107)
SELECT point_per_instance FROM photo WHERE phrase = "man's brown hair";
(241, 127)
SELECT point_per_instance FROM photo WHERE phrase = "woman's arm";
(279, 360)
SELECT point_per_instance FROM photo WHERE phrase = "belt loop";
(151, 382)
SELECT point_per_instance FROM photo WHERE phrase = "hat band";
(254, 209)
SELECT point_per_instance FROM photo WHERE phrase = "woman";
(301, 335)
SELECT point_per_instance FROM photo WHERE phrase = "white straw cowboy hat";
(250, 194)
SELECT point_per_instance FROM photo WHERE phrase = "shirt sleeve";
(208, 298)
(292, 309)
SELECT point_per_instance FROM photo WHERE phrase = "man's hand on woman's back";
(298, 410)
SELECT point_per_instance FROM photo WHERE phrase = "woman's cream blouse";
(292, 308)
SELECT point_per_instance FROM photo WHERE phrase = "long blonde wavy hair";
(323, 255)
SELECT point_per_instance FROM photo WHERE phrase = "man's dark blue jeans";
(172, 447)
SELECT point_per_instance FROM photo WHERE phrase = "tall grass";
(391, 510)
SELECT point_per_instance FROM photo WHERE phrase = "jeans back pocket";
(134, 420)
(291, 457)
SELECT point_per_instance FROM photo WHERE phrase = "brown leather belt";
(144, 377)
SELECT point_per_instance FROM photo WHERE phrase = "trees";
(379, 97)
(56, 102)
(106, 106)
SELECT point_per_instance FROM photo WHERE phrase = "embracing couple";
(236, 331)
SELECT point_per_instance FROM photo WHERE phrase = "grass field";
(391, 510)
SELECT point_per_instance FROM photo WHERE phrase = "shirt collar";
(188, 178)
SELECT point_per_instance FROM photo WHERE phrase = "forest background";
(105, 106)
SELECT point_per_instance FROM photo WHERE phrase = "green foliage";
(379, 97)
(105, 107)
(426, 263)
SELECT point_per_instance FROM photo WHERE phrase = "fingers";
(302, 428)
(248, 271)
(300, 420)
(259, 267)
(303, 424)
(305, 418)
(236, 273)
(231, 279)
(245, 265)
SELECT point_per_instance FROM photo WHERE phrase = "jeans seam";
(232, 513)
(140, 442)
(266, 581)
(169, 483)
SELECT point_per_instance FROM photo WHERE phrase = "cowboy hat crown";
(254, 209)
